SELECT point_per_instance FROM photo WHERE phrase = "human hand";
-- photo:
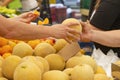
(64, 31)
(86, 32)
(26, 17)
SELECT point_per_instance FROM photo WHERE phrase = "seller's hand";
(64, 31)
(26, 17)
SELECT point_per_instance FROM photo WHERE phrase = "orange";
(50, 41)
(5, 55)
(11, 43)
(3, 41)
(5, 49)
(33, 43)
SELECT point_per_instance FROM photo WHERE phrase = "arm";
(18, 30)
(110, 38)
(6, 2)
(107, 38)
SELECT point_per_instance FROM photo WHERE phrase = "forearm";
(22, 31)
(107, 38)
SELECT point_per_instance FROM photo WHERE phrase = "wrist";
(92, 35)
(50, 31)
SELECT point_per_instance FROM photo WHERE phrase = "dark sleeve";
(106, 14)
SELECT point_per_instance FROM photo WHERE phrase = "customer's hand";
(86, 32)
(26, 17)
(64, 31)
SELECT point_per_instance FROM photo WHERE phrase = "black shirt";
(107, 17)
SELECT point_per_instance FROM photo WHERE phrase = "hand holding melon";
(77, 27)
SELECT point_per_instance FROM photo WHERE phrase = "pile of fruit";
(38, 60)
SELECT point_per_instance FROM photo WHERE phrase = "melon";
(27, 71)
(9, 65)
(77, 27)
(100, 70)
(72, 62)
(55, 75)
(82, 72)
(44, 62)
(59, 44)
(34, 60)
(44, 49)
(68, 72)
(84, 59)
(100, 77)
(117, 62)
(22, 49)
(55, 61)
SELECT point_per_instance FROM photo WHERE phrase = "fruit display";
(38, 60)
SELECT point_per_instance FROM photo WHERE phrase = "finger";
(68, 40)
(72, 23)
(76, 38)
(82, 23)
(73, 31)
(88, 21)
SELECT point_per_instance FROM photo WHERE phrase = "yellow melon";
(34, 60)
(100, 70)
(100, 77)
(72, 62)
(79, 53)
(117, 62)
(84, 59)
(55, 75)
(77, 27)
(68, 72)
(22, 49)
(82, 72)
(55, 61)
(44, 49)
(27, 71)
(9, 64)
(88, 60)
(44, 62)
(59, 44)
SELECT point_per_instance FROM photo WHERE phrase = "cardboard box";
(69, 50)
(116, 71)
